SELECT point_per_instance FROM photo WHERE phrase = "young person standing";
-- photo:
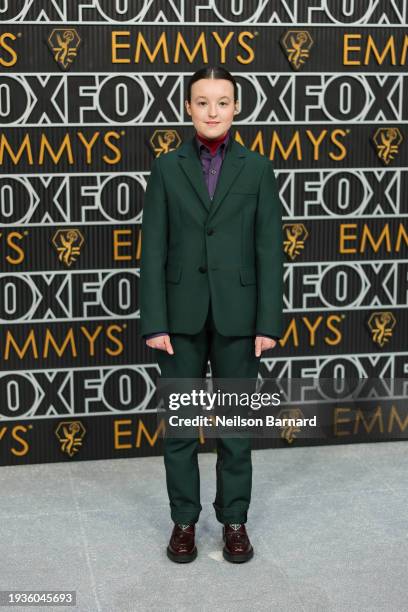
(211, 287)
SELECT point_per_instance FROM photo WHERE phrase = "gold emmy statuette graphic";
(294, 241)
(381, 325)
(68, 244)
(70, 434)
(387, 142)
(297, 45)
(164, 141)
(64, 45)
(288, 431)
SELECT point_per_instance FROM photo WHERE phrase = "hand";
(162, 343)
(263, 343)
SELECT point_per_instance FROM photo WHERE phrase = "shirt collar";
(223, 145)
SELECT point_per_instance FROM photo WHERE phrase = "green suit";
(229, 248)
(211, 275)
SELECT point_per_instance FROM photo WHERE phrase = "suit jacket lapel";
(232, 165)
(231, 168)
(191, 165)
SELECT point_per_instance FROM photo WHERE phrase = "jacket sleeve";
(258, 333)
(269, 255)
(147, 336)
(153, 306)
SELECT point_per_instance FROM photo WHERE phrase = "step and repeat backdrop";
(90, 93)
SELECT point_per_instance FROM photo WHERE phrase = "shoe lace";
(182, 535)
(235, 526)
(236, 535)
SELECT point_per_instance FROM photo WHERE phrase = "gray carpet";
(328, 524)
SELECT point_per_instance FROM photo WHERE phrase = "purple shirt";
(211, 165)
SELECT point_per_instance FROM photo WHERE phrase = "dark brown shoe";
(182, 548)
(238, 548)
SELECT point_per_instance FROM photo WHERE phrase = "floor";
(329, 527)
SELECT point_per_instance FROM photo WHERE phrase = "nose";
(212, 111)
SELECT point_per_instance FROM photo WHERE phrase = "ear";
(187, 105)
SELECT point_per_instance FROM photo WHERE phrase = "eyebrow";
(205, 97)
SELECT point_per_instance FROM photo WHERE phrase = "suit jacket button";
(202, 269)
(210, 231)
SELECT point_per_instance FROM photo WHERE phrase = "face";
(212, 106)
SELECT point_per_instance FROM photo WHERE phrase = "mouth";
(212, 122)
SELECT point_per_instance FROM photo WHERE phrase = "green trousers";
(230, 357)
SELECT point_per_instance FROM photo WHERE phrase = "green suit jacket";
(228, 249)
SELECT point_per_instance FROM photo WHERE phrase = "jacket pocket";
(248, 276)
(173, 273)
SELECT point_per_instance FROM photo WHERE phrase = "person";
(211, 288)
